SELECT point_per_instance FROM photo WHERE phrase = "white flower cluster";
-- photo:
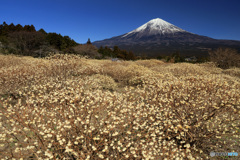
(64, 107)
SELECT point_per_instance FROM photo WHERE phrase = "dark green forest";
(27, 41)
(116, 53)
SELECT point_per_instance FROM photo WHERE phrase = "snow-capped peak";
(155, 27)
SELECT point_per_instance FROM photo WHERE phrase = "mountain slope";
(158, 37)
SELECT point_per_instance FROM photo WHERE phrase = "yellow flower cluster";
(70, 107)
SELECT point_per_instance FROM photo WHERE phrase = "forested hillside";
(26, 40)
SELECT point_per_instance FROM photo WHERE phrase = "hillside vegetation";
(25, 40)
(66, 106)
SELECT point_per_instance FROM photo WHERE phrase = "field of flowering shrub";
(70, 107)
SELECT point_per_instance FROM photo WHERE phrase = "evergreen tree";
(42, 31)
(89, 42)
(5, 24)
(11, 28)
(18, 28)
(101, 50)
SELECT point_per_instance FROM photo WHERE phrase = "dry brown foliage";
(87, 50)
(225, 57)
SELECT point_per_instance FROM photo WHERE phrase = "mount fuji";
(158, 37)
(154, 27)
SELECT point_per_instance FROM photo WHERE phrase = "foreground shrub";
(167, 115)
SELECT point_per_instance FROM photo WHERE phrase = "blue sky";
(101, 19)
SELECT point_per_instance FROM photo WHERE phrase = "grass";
(71, 107)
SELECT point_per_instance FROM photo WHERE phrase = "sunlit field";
(71, 107)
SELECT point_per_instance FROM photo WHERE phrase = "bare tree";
(225, 57)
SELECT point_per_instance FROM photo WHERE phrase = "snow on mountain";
(158, 37)
(155, 27)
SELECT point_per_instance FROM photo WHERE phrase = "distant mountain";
(158, 37)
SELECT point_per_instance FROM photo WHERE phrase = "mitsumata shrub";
(70, 107)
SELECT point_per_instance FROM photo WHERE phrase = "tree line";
(26, 40)
(116, 52)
